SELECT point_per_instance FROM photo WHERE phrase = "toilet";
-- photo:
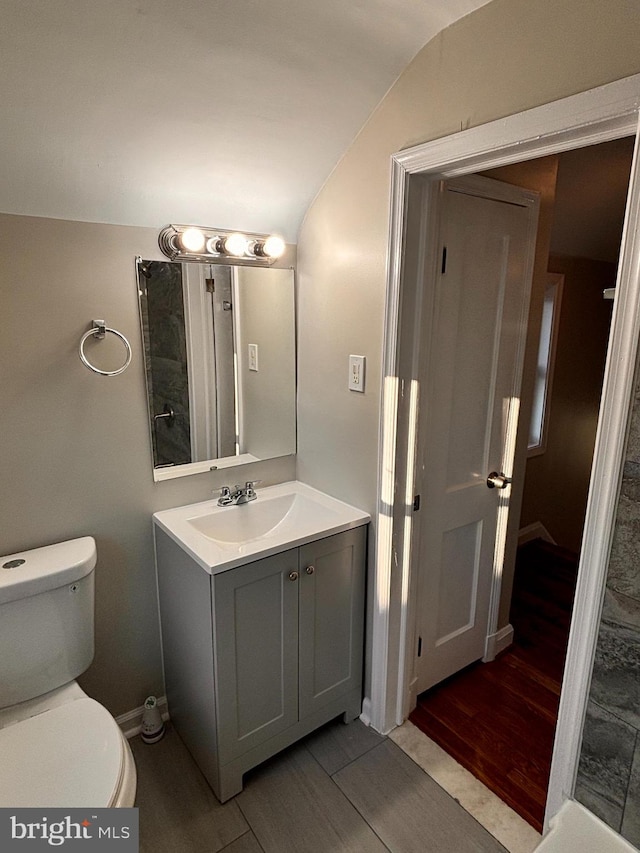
(59, 748)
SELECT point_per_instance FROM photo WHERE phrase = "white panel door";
(469, 407)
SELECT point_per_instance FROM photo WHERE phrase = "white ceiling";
(228, 113)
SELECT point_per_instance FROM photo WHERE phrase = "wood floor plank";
(526, 664)
(539, 698)
(482, 695)
(483, 767)
(407, 809)
(495, 778)
(292, 805)
(498, 719)
(506, 744)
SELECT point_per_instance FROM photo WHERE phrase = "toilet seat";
(73, 754)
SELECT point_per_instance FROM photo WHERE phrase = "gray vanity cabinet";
(331, 620)
(276, 653)
(256, 628)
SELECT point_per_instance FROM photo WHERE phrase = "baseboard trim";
(131, 721)
(365, 716)
(497, 643)
(537, 530)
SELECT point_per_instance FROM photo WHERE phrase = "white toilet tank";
(46, 618)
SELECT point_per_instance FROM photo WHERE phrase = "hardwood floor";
(498, 719)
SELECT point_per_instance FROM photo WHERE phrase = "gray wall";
(585, 319)
(75, 455)
(266, 317)
(509, 56)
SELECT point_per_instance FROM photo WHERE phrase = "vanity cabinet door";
(256, 652)
(332, 589)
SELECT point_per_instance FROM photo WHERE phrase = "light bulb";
(236, 245)
(274, 246)
(213, 245)
(192, 240)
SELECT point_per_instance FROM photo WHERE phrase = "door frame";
(598, 115)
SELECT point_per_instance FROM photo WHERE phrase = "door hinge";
(416, 503)
(444, 260)
(419, 646)
(210, 284)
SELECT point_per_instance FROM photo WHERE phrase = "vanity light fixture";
(272, 247)
(236, 245)
(192, 240)
(217, 246)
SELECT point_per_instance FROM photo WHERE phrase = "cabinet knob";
(310, 570)
(293, 576)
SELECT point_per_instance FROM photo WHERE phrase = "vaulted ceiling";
(228, 113)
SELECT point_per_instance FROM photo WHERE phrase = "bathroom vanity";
(262, 614)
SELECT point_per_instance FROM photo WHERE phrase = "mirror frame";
(170, 472)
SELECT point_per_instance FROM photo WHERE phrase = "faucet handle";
(249, 489)
(225, 495)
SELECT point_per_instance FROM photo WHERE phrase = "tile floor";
(343, 789)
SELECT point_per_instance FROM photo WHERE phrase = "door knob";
(497, 481)
(293, 576)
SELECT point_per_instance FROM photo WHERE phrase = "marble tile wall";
(608, 780)
(146, 341)
(167, 362)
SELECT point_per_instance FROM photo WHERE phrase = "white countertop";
(302, 514)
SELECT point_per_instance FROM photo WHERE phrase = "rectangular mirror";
(219, 348)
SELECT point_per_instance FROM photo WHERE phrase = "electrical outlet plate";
(356, 372)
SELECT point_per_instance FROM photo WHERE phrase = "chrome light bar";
(218, 246)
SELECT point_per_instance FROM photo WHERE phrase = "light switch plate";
(356, 372)
(253, 357)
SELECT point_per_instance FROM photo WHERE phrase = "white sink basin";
(248, 522)
(282, 516)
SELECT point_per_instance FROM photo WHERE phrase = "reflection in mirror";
(219, 346)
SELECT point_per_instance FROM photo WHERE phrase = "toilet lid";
(69, 756)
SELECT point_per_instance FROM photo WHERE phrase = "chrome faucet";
(239, 495)
(226, 498)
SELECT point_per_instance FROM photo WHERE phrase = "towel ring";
(98, 331)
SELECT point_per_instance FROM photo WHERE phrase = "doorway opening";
(599, 115)
(498, 718)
